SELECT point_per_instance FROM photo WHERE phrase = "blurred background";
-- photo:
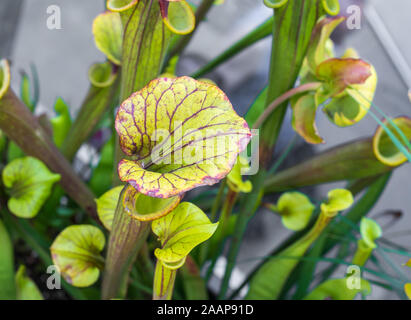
(62, 58)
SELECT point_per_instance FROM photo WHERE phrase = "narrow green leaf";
(350, 161)
(26, 288)
(7, 284)
(62, 123)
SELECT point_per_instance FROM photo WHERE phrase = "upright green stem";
(164, 279)
(126, 238)
(293, 26)
(200, 14)
(217, 240)
(213, 216)
(145, 43)
(362, 254)
(248, 207)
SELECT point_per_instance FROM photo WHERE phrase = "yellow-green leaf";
(102, 75)
(62, 123)
(7, 283)
(108, 35)
(179, 232)
(26, 288)
(338, 200)
(177, 16)
(182, 134)
(303, 121)
(234, 178)
(384, 148)
(295, 209)
(4, 77)
(29, 183)
(317, 51)
(337, 289)
(370, 231)
(148, 208)
(106, 206)
(407, 289)
(332, 7)
(76, 252)
(120, 5)
(275, 3)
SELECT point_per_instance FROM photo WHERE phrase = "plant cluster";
(134, 228)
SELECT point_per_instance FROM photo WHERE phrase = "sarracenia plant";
(124, 231)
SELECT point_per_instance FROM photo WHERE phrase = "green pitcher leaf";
(407, 289)
(148, 208)
(295, 209)
(102, 75)
(384, 148)
(332, 7)
(337, 289)
(234, 178)
(275, 3)
(62, 123)
(338, 200)
(178, 16)
(180, 231)
(120, 5)
(182, 134)
(26, 288)
(303, 121)
(106, 206)
(4, 77)
(30, 183)
(29, 89)
(317, 51)
(370, 231)
(108, 35)
(76, 252)
(7, 284)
